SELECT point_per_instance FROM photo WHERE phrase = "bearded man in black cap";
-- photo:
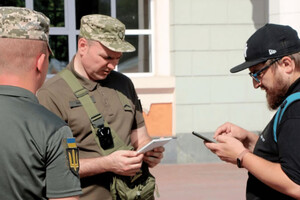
(271, 158)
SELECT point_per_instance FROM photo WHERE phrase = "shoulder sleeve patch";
(72, 155)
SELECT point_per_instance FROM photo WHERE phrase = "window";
(18, 3)
(65, 18)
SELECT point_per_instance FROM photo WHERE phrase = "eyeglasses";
(258, 73)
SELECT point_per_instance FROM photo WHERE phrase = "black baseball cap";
(270, 41)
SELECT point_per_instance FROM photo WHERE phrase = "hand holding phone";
(203, 137)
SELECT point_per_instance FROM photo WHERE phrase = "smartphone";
(203, 137)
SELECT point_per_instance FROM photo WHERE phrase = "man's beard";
(276, 94)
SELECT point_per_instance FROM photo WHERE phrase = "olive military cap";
(23, 23)
(107, 30)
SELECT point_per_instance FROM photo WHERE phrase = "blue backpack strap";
(290, 99)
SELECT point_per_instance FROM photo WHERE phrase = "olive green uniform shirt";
(33, 159)
(58, 97)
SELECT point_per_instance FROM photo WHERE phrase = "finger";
(219, 131)
(129, 153)
(225, 138)
(135, 160)
(159, 149)
(222, 158)
(151, 161)
(222, 129)
(133, 155)
(133, 168)
(128, 169)
(158, 154)
(150, 164)
(211, 146)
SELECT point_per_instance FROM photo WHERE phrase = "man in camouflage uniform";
(100, 46)
(37, 147)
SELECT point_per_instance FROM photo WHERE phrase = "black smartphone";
(203, 137)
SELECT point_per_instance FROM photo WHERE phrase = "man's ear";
(288, 64)
(82, 46)
(40, 62)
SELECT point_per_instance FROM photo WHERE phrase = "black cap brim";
(247, 64)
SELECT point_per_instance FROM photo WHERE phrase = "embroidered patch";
(72, 155)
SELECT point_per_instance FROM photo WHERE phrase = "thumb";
(222, 138)
(210, 145)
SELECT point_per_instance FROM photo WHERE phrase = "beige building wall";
(285, 12)
(208, 38)
(157, 90)
(196, 44)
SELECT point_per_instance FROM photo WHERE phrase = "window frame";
(70, 31)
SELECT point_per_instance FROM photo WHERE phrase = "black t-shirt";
(285, 151)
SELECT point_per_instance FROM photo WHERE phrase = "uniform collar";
(86, 83)
(14, 91)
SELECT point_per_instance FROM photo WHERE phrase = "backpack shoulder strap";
(290, 99)
(94, 115)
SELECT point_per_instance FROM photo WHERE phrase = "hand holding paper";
(153, 144)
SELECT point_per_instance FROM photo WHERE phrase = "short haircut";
(20, 54)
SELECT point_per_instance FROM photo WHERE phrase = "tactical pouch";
(139, 187)
(142, 185)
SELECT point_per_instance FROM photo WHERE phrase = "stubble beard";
(276, 95)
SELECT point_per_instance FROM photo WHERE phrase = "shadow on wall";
(260, 17)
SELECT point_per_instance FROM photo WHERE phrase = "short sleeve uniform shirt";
(58, 97)
(33, 158)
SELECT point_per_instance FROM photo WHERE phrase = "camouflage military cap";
(107, 30)
(23, 23)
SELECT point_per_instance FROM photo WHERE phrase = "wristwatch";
(239, 159)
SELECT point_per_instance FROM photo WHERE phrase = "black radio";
(105, 137)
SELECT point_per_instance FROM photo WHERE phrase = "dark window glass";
(54, 9)
(137, 61)
(133, 13)
(59, 46)
(92, 7)
(17, 3)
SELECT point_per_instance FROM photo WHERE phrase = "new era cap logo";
(272, 51)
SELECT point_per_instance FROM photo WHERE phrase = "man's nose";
(111, 66)
(256, 84)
